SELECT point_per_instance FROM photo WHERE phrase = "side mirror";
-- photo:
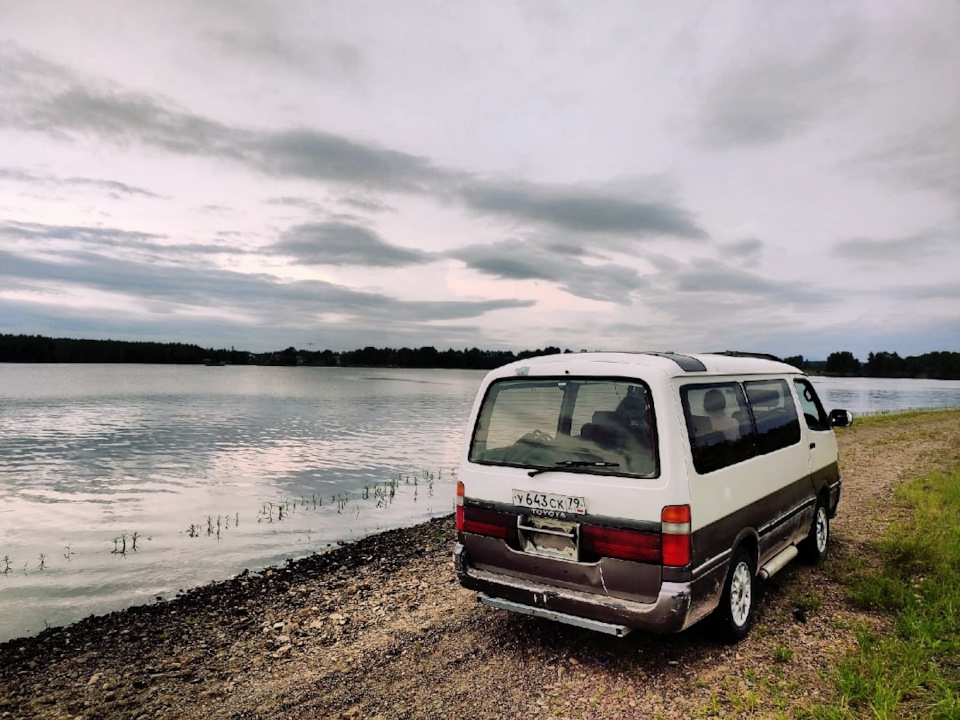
(841, 418)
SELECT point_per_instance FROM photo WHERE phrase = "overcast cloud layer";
(620, 175)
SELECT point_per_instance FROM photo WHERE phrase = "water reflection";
(872, 395)
(212, 471)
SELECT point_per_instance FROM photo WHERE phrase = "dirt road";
(380, 629)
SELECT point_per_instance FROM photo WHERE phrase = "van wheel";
(814, 547)
(734, 616)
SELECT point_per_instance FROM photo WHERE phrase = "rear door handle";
(812, 445)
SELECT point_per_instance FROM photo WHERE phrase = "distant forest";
(37, 349)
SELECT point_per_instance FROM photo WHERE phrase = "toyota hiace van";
(643, 490)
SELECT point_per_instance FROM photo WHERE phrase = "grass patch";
(896, 417)
(915, 671)
(807, 601)
(782, 653)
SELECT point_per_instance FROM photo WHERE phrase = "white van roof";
(671, 363)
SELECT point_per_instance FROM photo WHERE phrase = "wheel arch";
(749, 539)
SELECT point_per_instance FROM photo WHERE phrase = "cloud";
(746, 248)
(519, 260)
(366, 204)
(27, 75)
(747, 252)
(186, 293)
(131, 117)
(927, 158)
(73, 243)
(226, 330)
(173, 288)
(714, 278)
(76, 111)
(123, 118)
(112, 188)
(260, 47)
(770, 94)
(318, 155)
(311, 206)
(332, 59)
(80, 233)
(909, 250)
(67, 109)
(19, 175)
(342, 243)
(582, 210)
(947, 291)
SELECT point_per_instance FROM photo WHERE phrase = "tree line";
(37, 349)
(932, 365)
(422, 357)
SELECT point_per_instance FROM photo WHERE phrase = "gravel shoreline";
(381, 629)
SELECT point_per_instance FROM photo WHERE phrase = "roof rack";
(686, 363)
(739, 353)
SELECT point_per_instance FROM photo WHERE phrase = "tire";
(734, 616)
(815, 546)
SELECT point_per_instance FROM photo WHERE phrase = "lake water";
(120, 484)
(878, 395)
(208, 471)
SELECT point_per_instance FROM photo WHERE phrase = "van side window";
(718, 424)
(775, 414)
(813, 412)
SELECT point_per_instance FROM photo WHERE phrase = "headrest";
(714, 401)
(606, 417)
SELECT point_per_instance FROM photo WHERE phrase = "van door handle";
(812, 445)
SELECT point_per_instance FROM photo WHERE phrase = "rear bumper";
(670, 612)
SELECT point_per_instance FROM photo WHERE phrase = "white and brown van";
(643, 490)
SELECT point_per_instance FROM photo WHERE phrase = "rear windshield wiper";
(575, 464)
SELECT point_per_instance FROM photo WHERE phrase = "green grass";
(782, 653)
(897, 416)
(913, 672)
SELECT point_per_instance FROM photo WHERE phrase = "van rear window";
(602, 426)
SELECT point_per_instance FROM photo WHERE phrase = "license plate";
(549, 503)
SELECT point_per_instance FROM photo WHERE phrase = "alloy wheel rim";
(740, 591)
(822, 530)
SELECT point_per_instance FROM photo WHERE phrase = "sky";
(636, 175)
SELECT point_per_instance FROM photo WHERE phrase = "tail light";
(621, 544)
(671, 547)
(483, 522)
(675, 531)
